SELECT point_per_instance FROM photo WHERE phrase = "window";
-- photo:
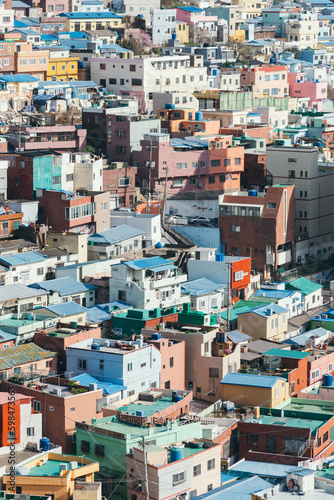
(277, 392)
(181, 166)
(104, 206)
(82, 364)
(192, 493)
(212, 179)
(271, 205)
(292, 160)
(120, 133)
(271, 444)
(234, 229)
(214, 372)
(315, 374)
(210, 486)
(51, 408)
(129, 367)
(102, 66)
(211, 464)
(215, 163)
(85, 446)
(203, 164)
(36, 405)
(267, 78)
(56, 180)
(252, 440)
(276, 77)
(237, 161)
(99, 450)
(112, 81)
(179, 478)
(121, 149)
(124, 181)
(330, 367)
(40, 271)
(137, 82)
(132, 67)
(197, 470)
(171, 362)
(101, 364)
(227, 162)
(30, 431)
(325, 437)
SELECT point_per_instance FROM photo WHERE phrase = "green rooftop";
(17, 322)
(303, 285)
(281, 353)
(147, 407)
(50, 469)
(302, 423)
(310, 406)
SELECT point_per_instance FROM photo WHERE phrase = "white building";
(277, 118)
(6, 19)
(291, 300)
(141, 77)
(114, 242)
(29, 267)
(206, 296)
(149, 223)
(147, 283)
(29, 209)
(134, 365)
(3, 179)
(67, 289)
(185, 99)
(163, 25)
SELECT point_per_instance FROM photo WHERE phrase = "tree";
(139, 42)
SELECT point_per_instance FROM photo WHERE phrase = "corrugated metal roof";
(108, 387)
(267, 469)
(21, 259)
(269, 309)
(280, 294)
(202, 286)
(64, 286)
(114, 235)
(148, 263)
(65, 308)
(303, 285)
(287, 354)
(304, 337)
(18, 291)
(97, 314)
(237, 490)
(236, 336)
(5, 337)
(90, 15)
(19, 355)
(251, 380)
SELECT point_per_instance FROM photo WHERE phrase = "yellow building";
(245, 389)
(63, 69)
(92, 21)
(53, 474)
(250, 7)
(182, 32)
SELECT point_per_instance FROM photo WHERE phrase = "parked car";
(199, 220)
(177, 219)
(204, 224)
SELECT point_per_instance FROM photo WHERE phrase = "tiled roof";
(19, 355)
(248, 379)
(236, 336)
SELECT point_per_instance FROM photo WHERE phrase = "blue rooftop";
(21, 259)
(97, 314)
(25, 24)
(236, 336)
(18, 78)
(269, 309)
(303, 338)
(114, 235)
(191, 9)
(108, 387)
(150, 263)
(6, 337)
(237, 490)
(266, 469)
(276, 294)
(64, 286)
(251, 380)
(71, 84)
(201, 286)
(64, 309)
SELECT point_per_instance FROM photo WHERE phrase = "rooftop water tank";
(327, 380)
(272, 60)
(169, 105)
(198, 116)
(156, 336)
(214, 72)
(44, 444)
(252, 192)
(176, 454)
(173, 36)
(139, 413)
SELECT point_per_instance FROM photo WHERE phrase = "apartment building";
(135, 365)
(260, 225)
(303, 28)
(172, 372)
(163, 25)
(141, 77)
(120, 181)
(299, 166)
(265, 322)
(31, 62)
(265, 81)
(66, 212)
(27, 361)
(82, 21)
(315, 90)
(147, 283)
(60, 137)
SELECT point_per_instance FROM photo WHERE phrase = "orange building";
(226, 165)
(31, 62)
(9, 222)
(172, 375)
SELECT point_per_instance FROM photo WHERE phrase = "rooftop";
(90, 15)
(287, 354)
(18, 291)
(49, 469)
(153, 263)
(22, 354)
(303, 338)
(69, 308)
(301, 423)
(114, 235)
(64, 286)
(264, 469)
(108, 387)
(304, 285)
(201, 286)
(247, 379)
(21, 259)
(147, 407)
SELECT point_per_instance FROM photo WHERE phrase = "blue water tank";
(139, 413)
(275, 55)
(252, 192)
(198, 116)
(175, 454)
(160, 244)
(317, 81)
(95, 347)
(327, 380)
(169, 105)
(179, 398)
(44, 444)
(173, 36)
(156, 336)
(319, 145)
(272, 60)
(219, 257)
(214, 72)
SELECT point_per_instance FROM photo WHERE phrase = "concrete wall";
(206, 208)
(201, 236)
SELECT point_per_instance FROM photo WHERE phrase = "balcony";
(169, 281)
(284, 257)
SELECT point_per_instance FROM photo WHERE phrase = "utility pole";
(145, 470)
(165, 197)
(150, 166)
(228, 296)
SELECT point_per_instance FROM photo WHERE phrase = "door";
(25, 278)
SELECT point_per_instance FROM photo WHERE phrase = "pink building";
(26, 361)
(318, 365)
(189, 15)
(314, 89)
(68, 138)
(267, 81)
(172, 375)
